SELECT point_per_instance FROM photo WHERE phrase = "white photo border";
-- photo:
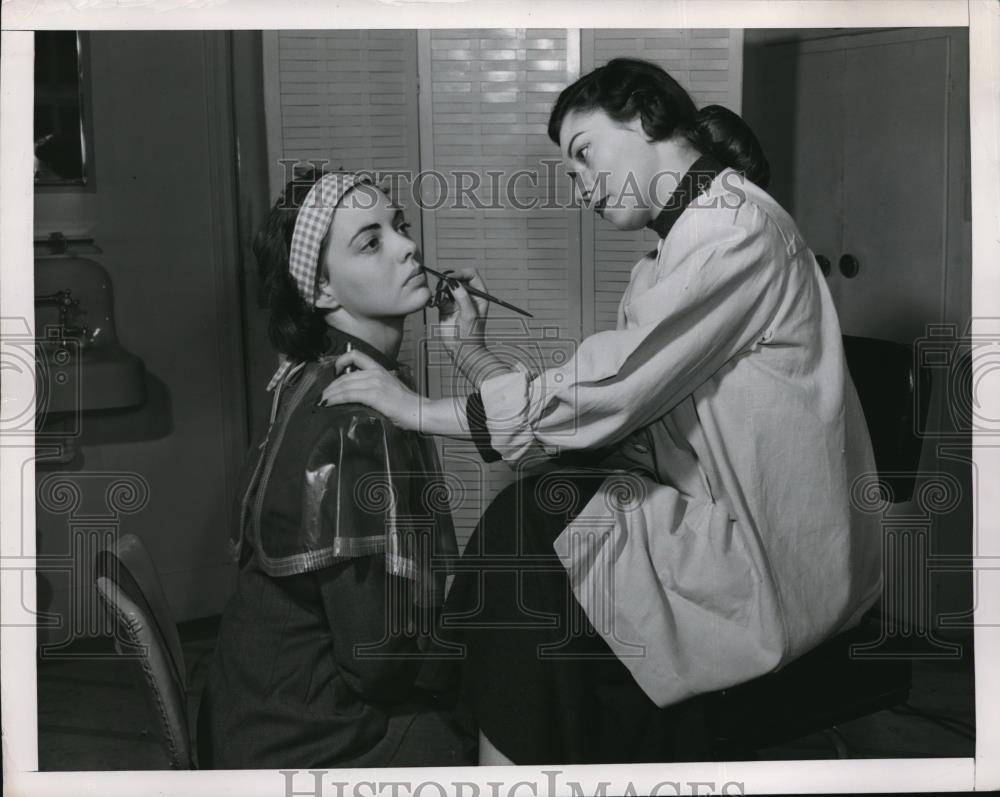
(18, 708)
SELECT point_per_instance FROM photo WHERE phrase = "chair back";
(130, 589)
(895, 397)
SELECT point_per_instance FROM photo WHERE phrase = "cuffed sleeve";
(476, 417)
(719, 286)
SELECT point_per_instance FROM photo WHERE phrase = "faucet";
(67, 304)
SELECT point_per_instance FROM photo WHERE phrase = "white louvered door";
(708, 63)
(484, 106)
(347, 99)
(477, 101)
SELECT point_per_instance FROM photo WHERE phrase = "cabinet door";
(817, 154)
(895, 186)
(794, 102)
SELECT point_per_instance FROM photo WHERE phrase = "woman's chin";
(419, 297)
(625, 218)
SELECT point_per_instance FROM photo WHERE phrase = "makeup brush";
(476, 292)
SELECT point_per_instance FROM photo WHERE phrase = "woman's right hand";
(463, 321)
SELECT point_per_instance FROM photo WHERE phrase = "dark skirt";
(282, 691)
(542, 684)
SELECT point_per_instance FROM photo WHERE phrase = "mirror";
(62, 134)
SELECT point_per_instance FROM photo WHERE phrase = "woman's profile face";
(613, 165)
(371, 267)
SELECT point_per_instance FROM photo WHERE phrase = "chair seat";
(823, 688)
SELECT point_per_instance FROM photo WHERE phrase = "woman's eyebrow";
(569, 146)
(375, 225)
(366, 228)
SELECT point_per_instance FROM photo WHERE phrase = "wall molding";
(225, 256)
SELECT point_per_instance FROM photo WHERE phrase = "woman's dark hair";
(731, 141)
(296, 329)
(625, 88)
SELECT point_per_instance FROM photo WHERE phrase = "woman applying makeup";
(711, 536)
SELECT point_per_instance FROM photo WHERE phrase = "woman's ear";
(326, 299)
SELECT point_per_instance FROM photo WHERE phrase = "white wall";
(160, 213)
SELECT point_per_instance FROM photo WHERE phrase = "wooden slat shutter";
(708, 63)
(481, 105)
(485, 102)
(347, 97)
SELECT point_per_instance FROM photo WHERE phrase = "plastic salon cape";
(344, 537)
(336, 483)
(728, 543)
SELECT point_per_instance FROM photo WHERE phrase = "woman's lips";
(418, 273)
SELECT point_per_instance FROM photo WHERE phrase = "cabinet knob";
(824, 264)
(849, 266)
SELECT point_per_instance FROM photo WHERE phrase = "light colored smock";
(727, 375)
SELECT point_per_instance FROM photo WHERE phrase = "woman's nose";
(408, 249)
(584, 187)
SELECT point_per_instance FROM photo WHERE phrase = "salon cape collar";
(336, 344)
(695, 181)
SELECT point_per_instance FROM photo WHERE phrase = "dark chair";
(895, 397)
(130, 588)
(829, 685)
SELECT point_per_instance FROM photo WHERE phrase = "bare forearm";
(445, 416)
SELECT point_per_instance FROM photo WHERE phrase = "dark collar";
(695, 181)
(337, 340)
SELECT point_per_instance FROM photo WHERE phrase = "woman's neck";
(675, 156)
(385, 334)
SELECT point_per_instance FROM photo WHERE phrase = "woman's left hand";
(374, 387)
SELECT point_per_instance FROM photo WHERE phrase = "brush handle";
(351, 368)
(479, 293)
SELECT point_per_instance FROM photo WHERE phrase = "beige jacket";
(726, 378)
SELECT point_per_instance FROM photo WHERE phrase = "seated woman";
(341, 535)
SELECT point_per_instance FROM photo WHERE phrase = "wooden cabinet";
(867, 136)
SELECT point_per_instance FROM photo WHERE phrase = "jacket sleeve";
(720, 282)
(371, 620)
(371, 612)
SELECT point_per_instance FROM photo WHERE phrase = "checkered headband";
(311, 226)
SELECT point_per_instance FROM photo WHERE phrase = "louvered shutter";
(708, 63)
(485, 102)
(349, 98)
(482, 104)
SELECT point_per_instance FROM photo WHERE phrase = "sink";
(74, 378)
(80, 363)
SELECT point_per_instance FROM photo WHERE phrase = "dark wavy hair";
(296, 329)
(626, 88)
